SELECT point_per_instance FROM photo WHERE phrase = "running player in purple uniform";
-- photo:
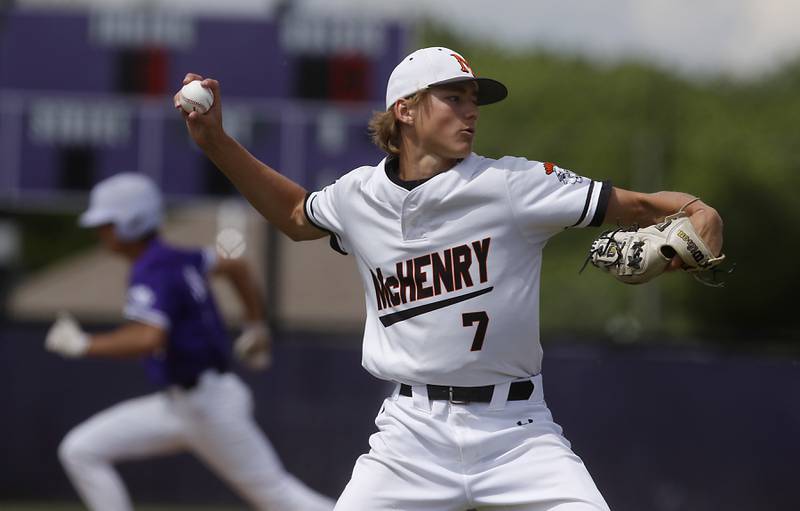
(174, 323)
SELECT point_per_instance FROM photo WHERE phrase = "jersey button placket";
(410, 219)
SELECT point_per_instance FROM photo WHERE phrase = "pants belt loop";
(419, 395)
(395, 393)
(538, 389)
(500, 396)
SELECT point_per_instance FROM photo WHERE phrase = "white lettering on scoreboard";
(56, 121)
(325, 36)
(141, 29)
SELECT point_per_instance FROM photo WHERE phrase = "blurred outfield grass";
(60, 506)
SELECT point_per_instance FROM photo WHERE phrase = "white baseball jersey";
(451, 268)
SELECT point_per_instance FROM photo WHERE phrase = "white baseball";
(196, 98)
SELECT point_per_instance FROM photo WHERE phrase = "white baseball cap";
(131, 202)
(437, 66)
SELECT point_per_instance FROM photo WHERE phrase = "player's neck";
(415, 165)
(134, 250)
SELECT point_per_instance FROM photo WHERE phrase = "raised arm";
(278, 199)
(626, 207)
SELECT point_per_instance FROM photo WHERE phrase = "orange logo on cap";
(548, 168)
(464, 64)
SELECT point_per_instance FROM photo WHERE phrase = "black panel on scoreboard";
(311, 77)
(76, 168)
(141, 71)
(335, 77)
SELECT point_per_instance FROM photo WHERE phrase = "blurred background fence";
(676, 395)
(660, 428)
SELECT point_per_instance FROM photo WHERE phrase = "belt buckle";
(452, 400)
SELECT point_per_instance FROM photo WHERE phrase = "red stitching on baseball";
(193, 101)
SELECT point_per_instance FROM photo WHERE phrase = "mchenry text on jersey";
(449, 270)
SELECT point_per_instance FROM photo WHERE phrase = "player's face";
(108, 238)
(446, 123)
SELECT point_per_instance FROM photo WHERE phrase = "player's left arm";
(253, 347)
(240, 276)
(627, 207)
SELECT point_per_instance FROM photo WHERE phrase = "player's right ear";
(403, 112)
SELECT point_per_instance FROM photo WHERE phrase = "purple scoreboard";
(84, 96)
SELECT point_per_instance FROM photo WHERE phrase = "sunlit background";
(676, 395)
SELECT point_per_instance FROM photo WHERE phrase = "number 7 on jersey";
(482, 319)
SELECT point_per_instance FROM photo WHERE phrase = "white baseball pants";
(213, 421)
(439, 456)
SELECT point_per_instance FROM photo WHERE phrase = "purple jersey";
(168, 288)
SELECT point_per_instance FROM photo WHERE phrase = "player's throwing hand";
(203, 128)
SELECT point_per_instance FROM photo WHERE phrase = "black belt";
(519, 391)
(192, 381)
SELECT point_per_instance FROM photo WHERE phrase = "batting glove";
(253, 348)
(66, 338)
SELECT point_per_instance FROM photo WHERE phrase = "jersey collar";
(391, 167)
(154, 247)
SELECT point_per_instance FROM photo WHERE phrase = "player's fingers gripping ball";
(193, 97)
(634, 256)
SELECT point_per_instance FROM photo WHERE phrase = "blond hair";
(384, 128)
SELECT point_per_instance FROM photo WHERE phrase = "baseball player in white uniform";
(175, 327)
(449, 246)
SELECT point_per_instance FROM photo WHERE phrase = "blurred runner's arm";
(239, 274)
(131, 340)
(253, 347)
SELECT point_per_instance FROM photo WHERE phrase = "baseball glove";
(634, 256)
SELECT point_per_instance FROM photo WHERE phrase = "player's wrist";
(82, 345)
(217, 141)
(255, 324)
